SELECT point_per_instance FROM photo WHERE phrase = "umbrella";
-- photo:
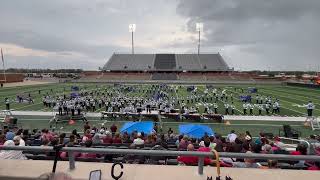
(129, 127)
(195, 130)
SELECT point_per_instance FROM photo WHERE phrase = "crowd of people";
(94, 137)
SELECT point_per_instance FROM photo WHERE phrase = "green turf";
(289, 97)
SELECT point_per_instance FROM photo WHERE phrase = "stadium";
(160, 115)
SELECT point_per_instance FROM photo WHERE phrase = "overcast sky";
(250, 34)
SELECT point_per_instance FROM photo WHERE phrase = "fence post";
(71, 160)
(200, 165)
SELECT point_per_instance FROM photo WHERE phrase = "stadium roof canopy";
(166, 62)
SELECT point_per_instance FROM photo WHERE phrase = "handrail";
(299, 140)
(201, 155)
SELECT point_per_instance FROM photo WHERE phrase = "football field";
(291, 101)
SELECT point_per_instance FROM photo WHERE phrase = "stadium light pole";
(132, 29)
(199, 28)
(4, 68)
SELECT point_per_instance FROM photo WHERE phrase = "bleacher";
(213, 62)
(188, 62)
(127, 62)
(165, 61)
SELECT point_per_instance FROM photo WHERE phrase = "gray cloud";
(276, 34)
(256, 34)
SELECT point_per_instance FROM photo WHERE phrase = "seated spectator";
(212, 142)
(2, 139)
(108, 138)
(113, 129)
(10, 136)
(278, 144)
(183, 143)
(96, 139)
(300, 150)
(235, 146)
(138, 140)
(232, 136)
(9, 154)
(87, 136)
(206, 148)
(137, 159)
(18, 141)
(315, 167)
(117, 139)
(248, 136)
(188, 160)
(75, 133)
(259, 140)
(149, 140)
(126, 138)
(72, 141)
(86, 127)
(88, 144)
(62, 138)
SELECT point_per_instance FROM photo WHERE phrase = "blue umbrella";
(195, 130)
(129, 127)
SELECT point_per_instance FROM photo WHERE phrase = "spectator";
(88, 144)
(2, 139)
(149, 140)
(300, 150)
(75, 133)
(117, 139)
(188, 160)
(108, 138)
(96, 139)
(236, 146)
(170, 131)
(183, 143)
(278, 144)
(87, 136)
(232, 136)
(61, 138)
(18, 141)
(113, 129)
(259, 140)
(9, 154)
(248, 136)
(10, 136)
(206, 148)
(86, 126)
(138, 140)
(315, 167)
(72, 141)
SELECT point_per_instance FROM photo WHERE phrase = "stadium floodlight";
(132, 29)
(199, 28)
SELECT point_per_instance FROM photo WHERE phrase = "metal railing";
(299, 141)
(200, 155)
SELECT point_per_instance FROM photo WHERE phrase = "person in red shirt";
(117, 139)
(108, 138)
(206, 148)
(188, 160)
(86, 127)
(300, 150)
(88, 144)
(315, 167)
(113, 129)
